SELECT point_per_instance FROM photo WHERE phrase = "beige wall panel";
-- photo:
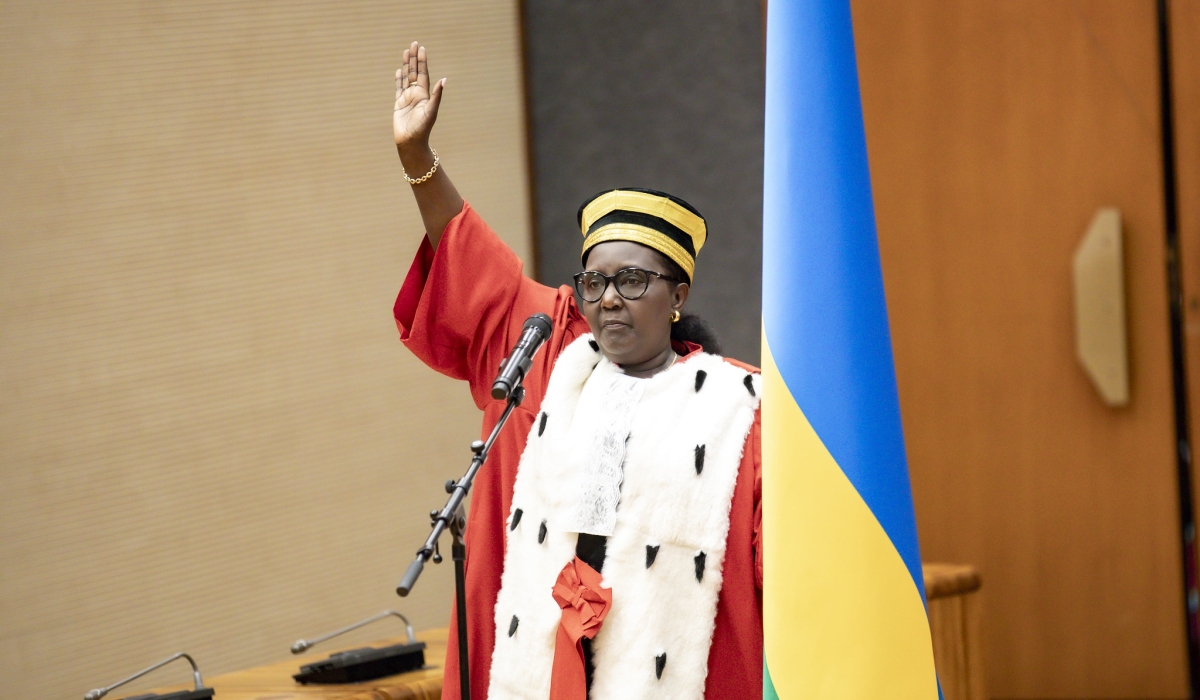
(211, 439)
(995, 131)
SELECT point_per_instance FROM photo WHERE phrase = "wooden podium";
(956, 625)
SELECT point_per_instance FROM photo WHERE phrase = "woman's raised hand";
(416, 111)
(416, 101)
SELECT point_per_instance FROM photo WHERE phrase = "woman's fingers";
(435, 97)
(422, 68)
(402, 72)
(412, 63)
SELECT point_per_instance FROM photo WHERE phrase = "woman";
(614, 534)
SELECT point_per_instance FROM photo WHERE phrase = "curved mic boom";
(304, 645)
(101, 692)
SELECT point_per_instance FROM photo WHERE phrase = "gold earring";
(675, 316)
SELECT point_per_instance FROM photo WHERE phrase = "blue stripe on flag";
(829, 330)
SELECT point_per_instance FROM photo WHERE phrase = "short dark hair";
(690, 327)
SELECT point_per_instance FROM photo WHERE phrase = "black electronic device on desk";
(197, 693)
(365, 664)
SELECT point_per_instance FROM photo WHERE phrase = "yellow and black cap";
(655, 219)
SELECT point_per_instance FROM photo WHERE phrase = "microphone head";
(298, 648)
(542, 322)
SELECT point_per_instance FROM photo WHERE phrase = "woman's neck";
(651, 367)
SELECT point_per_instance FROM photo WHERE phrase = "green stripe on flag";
(768, 687)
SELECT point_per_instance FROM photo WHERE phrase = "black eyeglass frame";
(610, 279)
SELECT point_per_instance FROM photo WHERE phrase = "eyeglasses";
(631, 283)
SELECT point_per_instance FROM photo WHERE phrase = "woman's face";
(632, 331)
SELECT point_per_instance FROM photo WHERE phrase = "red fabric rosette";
(584, 604)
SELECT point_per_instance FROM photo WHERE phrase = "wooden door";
(995, 131)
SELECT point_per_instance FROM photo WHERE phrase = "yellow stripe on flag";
(843, 619)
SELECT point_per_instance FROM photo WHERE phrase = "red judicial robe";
(460, 310)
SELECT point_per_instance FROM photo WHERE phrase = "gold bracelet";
(427, 175)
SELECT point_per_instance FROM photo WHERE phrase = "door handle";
(1099, 278)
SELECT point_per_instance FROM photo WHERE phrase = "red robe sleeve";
(749, 485)
(460, 311)
(462, 306)
(735, 659)
(758, 528)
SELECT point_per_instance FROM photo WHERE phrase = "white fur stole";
(665, 550)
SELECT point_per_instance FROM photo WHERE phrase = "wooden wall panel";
(1185, 44)
(995, 131)
(211, 438)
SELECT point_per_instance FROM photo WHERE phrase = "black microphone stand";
(453, 517)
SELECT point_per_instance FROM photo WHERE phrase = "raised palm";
(416, 104)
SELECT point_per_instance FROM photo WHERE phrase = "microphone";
(512, 370)
(365, 664)
(304, 645)
(199, 693)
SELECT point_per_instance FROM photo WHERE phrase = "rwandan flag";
(844, 607)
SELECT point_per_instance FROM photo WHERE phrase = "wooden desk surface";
(274, 682)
